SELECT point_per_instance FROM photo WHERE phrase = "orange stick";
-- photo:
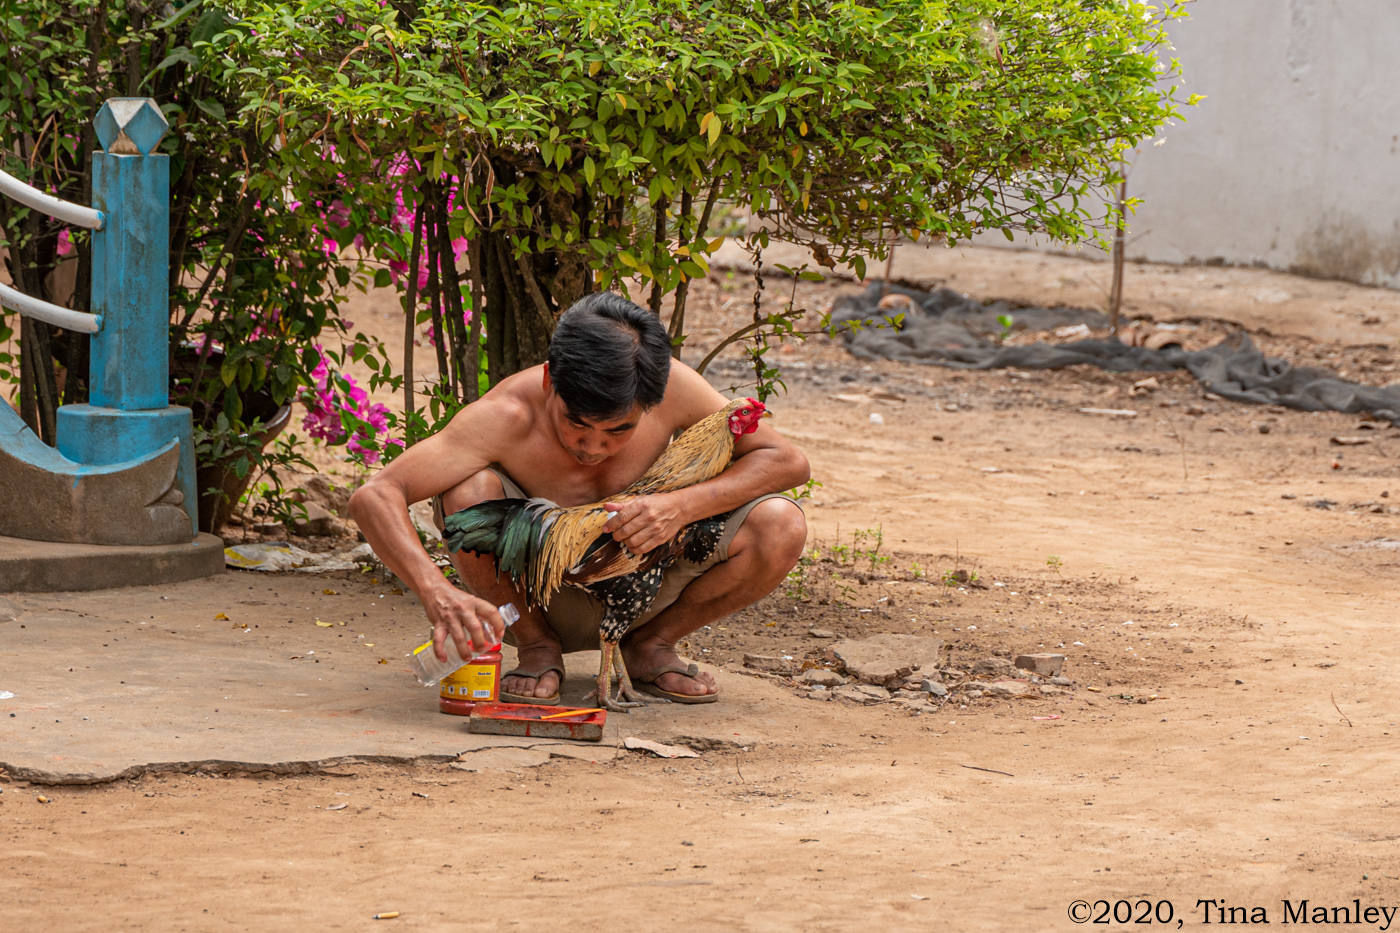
(572, 712)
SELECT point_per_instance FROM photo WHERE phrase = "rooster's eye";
(743, 411)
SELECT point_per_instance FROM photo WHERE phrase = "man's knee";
(479, 487)
(779, 528)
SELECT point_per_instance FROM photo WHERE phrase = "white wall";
(1291, 162)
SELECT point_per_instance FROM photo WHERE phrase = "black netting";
(945, 328)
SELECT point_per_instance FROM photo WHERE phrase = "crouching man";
(576, 430)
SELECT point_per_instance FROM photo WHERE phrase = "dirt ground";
(1219, 577)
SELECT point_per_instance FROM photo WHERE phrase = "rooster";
(543, 546)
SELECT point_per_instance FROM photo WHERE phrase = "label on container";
(472, 682)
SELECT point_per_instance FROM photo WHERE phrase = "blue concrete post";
(129, 413)
(131, 258)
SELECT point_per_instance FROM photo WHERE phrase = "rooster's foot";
(623, 702)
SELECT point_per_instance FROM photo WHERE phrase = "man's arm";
(764, 462)
(470, 443)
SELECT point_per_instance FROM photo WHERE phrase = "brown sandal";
(647, 684)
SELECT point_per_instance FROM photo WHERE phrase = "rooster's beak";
(767, 413)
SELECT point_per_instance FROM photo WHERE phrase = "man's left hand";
(645, 523)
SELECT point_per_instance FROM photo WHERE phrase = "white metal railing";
(48, 312)
(69, 213)
(65, 211)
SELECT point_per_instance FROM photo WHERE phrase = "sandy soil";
(1223, 597)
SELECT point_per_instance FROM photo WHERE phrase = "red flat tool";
(528, 720)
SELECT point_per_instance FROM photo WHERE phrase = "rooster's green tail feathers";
(511, 530)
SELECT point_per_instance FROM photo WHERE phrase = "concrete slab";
(50, 567)
(115, 684)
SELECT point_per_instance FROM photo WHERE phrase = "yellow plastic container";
(470, 684)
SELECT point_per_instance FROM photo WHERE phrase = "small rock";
(995, 667)
(1001, 652)
(319, 523)
(973, 694)
(934, 688)
(1064, 681)
(1046, 663)
(1144, 386)
(1050, 691)
(769, 664)
(1195, 410)
(8, 610)
(1009, 688)
(876, 418)
(861, 694)
(1264, 427)
(318, 488)
(821, 633)
(823, 678)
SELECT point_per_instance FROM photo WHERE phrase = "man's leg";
(536, 644)
(767, 545)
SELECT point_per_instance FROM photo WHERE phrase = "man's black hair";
(607, 355)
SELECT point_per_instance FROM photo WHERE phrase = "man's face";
(591, 441)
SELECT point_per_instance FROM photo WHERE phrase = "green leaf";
(589, 169)
(210, 23)
(212, 107)
(382, 278)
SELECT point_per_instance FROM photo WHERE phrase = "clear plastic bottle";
(429, 670)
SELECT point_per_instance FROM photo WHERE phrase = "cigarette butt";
(390, 915)
(571, 712)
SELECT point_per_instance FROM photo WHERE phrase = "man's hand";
(471, 622)
(645, 523)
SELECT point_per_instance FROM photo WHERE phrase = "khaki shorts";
(574, 615)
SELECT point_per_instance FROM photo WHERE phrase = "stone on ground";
(768, 664)
(885, 660)
(1045, 663)
(319, 523)
(823, 678)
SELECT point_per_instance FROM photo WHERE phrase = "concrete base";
(46, 567)
(98, 436)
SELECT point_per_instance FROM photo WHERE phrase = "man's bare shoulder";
(504, 414)
(688, 397)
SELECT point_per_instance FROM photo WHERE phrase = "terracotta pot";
(216, 507)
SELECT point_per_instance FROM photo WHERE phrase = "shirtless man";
(576, 430)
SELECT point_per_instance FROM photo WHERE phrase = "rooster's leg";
(627, 697)
(625, 690)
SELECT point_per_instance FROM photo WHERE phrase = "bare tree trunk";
(410, 317)
(1115, 295)
(435, 285)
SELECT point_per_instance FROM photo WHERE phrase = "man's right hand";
(470, 621)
